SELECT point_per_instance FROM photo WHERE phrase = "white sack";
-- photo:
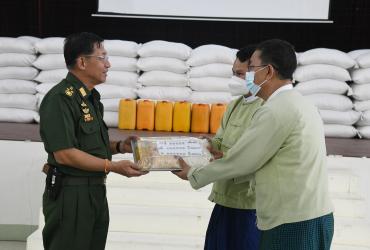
(365, 119)
(210, 97)
(331, 102)
(16, 45)
(213, 70)
(50, 61)
(44, 88)
(364, 60)
(21, 73)
(39, 98)
(320, 71)
(162, 64)
(326, 56)
(111, 104)
(356, 53)
(364, 132)
(18, 101)
(163, 78)
(362, 105)
(339, 131)
(17, 115)
(210, 84)
(111, 119)
(31, 39)
(121, 48)
(327, 86)
(114, 91)
(361, 76)
(54, 75)
(120, 63)
(211, 53)
(165, 93)
(159, 48)
(122, 78)
(50, 45)
(16, 60)
(14, 86)
(361, 92)
(349, 117)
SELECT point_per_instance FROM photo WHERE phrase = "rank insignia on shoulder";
(83, 104)
(82, 91)
(69, 91)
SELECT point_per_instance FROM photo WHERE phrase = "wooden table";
(334, 146)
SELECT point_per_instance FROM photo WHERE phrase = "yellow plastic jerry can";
(200, 118)
(163, 116)
(181, 116)
(145, 115)
(127, 114)
(217, 112)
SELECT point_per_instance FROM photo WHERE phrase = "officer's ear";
(81, 63)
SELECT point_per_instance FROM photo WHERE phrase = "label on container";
(180, 147)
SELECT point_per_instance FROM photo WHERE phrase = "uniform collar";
(81, 88)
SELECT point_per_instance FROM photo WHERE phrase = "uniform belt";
(69, 180)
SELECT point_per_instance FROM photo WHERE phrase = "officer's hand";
(126, 168)
(127, 143)
(183, 173)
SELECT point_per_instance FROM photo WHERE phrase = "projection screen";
(309, 10)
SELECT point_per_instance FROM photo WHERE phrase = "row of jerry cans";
(168, 116)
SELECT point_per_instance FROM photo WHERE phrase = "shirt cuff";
(192, 179)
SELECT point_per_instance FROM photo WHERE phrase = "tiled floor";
(12, 245)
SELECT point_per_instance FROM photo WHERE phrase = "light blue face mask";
(251, 86)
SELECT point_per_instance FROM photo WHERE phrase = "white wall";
(21, 182)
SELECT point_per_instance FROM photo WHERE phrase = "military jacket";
(71, 116)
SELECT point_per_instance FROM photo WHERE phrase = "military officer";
(79, 150)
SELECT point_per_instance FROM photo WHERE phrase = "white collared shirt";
(281, 89)
(250, 99)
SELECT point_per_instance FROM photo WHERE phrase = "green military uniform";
(71, 116)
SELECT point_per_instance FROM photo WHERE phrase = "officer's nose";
(107, 64)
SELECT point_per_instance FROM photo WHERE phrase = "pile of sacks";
(163, 71)
(210, 72)
(121, 80)
(322, 76)
(361, 89)
(17, 90)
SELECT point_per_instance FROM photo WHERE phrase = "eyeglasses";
(103, 58)
(250, 67)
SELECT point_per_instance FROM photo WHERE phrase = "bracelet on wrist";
(106, 166)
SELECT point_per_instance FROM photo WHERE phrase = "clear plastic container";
(159, 153)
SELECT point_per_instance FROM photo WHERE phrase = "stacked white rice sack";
(17, 90)
(121, 80)
(51, 64)
(361, 90)
(164, 70)
(322, 77)
(210, 72)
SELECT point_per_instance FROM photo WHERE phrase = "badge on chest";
(86, 112)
